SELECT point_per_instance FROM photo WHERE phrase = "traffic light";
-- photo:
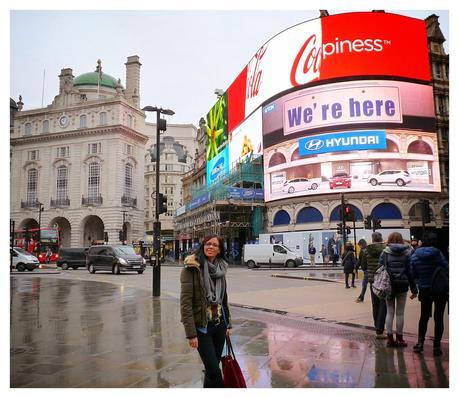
(348, 213)
(339, 229)
(376, 224)
(120, 235)
(367, 222)
(105, 236)
(425, 211)
(348, 230)
(162, 205)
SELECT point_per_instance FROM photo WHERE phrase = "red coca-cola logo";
(310, 56)
(254, 80)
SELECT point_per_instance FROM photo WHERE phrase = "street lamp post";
(160, 126)
(40, 210)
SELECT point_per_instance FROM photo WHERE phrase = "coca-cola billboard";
(330, 48)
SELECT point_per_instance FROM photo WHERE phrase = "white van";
(23, 260)
(257, 255)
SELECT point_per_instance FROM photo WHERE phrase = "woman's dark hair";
(362, 243)
(429, 239)
(221, 243)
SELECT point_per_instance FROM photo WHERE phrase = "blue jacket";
(424, 260)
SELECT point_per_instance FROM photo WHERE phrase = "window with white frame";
(62, 183)
(28, 129)
(32, 182)
(83, 121)
(45, 126)
(128, 180)
(128, 149)
(95, 147)
(33, 155)
(94, 180)
(62, 152)
(102, 118)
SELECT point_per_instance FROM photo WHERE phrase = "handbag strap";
(229, 347)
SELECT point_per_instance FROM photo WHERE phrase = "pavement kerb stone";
(306, 278)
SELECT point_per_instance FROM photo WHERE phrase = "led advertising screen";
(337, 46)
(372, 135)
(217, 167)
(217, 128)
(245, 140)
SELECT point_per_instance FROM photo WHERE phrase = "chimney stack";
(132, 92)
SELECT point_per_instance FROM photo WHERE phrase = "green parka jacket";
(193, 302)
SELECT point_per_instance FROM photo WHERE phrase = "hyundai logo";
(314, 145)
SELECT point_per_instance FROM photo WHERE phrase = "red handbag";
(232, 374)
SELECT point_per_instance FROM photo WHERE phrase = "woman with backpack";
(349, 262)
(396, 258)
(430, 269)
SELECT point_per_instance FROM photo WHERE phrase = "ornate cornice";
(87, 132)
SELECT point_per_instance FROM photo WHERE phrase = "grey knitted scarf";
(214, 280)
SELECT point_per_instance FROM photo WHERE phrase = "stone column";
(132, 91)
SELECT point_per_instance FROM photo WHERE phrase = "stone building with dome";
(82, 159)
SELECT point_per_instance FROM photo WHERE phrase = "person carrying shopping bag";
(204, 305)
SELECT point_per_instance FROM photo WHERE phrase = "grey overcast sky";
(185, 55)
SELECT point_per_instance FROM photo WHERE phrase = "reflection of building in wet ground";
(67, 333)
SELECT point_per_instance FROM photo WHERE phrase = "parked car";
(114, 258)
(72, 257)
(23, 260)
(340, 180)
(399, 177)
(269, 254)
(299, 184)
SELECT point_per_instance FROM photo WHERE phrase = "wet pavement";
(74, 333)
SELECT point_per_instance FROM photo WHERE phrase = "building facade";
(78, 164)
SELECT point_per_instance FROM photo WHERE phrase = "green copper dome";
(91, 79)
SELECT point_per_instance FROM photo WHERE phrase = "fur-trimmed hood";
(191, 261)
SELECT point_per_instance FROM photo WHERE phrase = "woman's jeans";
(426, 313)
(210, 348)
(364, 284)
(396, 305)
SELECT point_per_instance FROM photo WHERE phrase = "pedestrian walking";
(48, 255)
(362, 244)
(349, 262)
(396, 258)
(425, 261)
(325, 256)
(370, 261)
(204, 305)
(335, 255)
(312, 254)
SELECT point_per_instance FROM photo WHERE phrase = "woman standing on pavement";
(396, 258)
(348, 260)
(425, 260)
(204, 305)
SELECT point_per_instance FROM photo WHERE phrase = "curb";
(306, 278)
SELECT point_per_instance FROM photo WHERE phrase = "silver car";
(299, 184)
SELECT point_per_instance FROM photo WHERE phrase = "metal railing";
(91, 200)
(29, 204)
(128, 201)
(59, 202)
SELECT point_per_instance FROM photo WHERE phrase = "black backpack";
(440, 284)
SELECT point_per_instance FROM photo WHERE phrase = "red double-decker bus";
(41, 242)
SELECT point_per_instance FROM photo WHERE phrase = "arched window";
(309, 214)
(28, 129)
(276, 159)
(45, 127)
(102, 118)
(281, 218)
(32, 183)
(386, 211)
(83, 121)
(94, 180)
(421, 147)
(128, 180)
(62, 183)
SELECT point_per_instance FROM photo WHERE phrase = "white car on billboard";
(399, 177)
(299, 184)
